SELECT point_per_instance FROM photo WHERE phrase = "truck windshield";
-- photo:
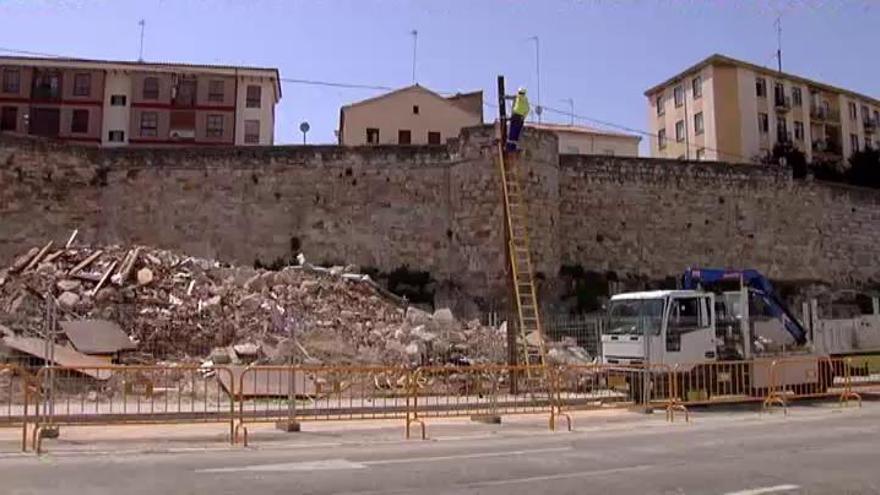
(635, 316)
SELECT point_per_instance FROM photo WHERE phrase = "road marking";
(552, 477)
(325, 465)
(466, 456)
(341, 464)
(766, 489)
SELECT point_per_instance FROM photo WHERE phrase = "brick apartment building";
(113, 104)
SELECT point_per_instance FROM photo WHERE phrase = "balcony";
(870, 125)
(824, 114)
(826, 147)
(782, 102)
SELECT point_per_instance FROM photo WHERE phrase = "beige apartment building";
(114, 104)
(410, 115)
(729, 110)
(582, 140)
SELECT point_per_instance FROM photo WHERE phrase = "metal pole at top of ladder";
(518, 247)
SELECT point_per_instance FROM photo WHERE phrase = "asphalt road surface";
(815, 449)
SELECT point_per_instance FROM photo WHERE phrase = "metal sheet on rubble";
(64, 356)
(97, 336)
(267, 382)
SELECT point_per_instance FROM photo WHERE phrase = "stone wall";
(438, 209)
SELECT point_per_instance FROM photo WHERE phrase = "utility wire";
(377, 87)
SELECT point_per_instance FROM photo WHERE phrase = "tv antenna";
(142, 23)
(778, 24)
(415, 35)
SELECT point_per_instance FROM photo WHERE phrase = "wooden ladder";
(521, 260)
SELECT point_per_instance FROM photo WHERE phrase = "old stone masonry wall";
(438, 209)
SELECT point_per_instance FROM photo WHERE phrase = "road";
(816, 449)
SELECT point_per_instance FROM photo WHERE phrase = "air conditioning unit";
(182, 134)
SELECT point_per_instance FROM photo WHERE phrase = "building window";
(697, 86)
(215, 90)
(763, 123)
(698, 123)
(80, 122)
(149, 124)
(254, 95)
(661, 138)
(761, 87)
(11, 81)
(781, 131)
(9, 119)
(853, 111)
(679, 131)
(701, 154)
(116, 136)
(151, 88)
(117, 100)
(779, 93)
(876, 117)
(415, 109)
(404, 136)
(678, 95)
(252, 131)
(796, 97)
(46, 85)
(660, 108)
(82, 84)
(866, 115)
(798, 130)
(854, 142)
(214, 126)
(433, 137)
(372, 135)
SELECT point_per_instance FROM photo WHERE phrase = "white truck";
(718, 342)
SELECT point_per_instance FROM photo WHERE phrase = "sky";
(601, 54)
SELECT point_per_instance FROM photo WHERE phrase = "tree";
(864, 168)
(786, 153)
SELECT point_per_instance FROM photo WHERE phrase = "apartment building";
(114, 104)
(410, 115)
(583, 140)
(729, 110)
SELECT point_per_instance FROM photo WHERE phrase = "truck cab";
(664, 326)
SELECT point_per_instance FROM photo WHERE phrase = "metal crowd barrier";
(288, 395)
(109, 395)
(16, 399)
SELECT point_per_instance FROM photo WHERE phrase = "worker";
(520, 110)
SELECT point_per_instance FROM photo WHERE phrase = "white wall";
(265, 114)
(116, 118)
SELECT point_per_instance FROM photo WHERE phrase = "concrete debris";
(178, 308)
(144, 276)
(68, 299)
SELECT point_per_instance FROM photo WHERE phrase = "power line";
(334, 84)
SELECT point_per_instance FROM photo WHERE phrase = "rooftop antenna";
(570, 102)
(142, 24)
(538, 109)
(415, 35)
(778, 25)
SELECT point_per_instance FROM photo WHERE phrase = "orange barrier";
(16, 397)
(103, 395)
(289, 394)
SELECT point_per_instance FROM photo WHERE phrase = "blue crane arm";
(759, 285)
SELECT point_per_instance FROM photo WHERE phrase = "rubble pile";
(186, 309)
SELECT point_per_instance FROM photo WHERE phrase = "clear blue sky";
(603, 54)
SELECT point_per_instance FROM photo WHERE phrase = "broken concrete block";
(68, 285)
(68, 299)
(420, 333)
(443, 317)
(416, 316)
(144, 276)
(247, 350)
(220, 355)
(413, 349)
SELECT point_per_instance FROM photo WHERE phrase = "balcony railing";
(824, 114)
(783, 103)
(826, 147)
(870, 125)
(46, 93)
